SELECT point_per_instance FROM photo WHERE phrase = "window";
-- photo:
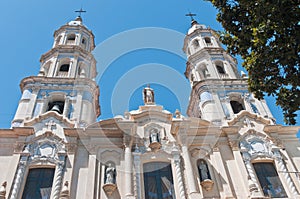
(236, 106)
(64, 68)
(83, 43)
(71, 39)
(158, 181)
(57, 106)
(196, 43)
(220, 69)
(269, 180)
(39, 183)
(208, 41)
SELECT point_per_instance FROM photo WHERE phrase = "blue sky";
(27, 29)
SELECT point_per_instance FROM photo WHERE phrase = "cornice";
(16, 132)
(68, 49)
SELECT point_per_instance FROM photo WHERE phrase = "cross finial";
(190, 15)
(50, 125)
(80, 11)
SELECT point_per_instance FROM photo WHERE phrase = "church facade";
(228, 145)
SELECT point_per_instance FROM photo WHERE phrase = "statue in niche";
(204, 173)
(148, 94)
(110, 174)
(154, 135)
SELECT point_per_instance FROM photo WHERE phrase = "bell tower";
(65, 83)
(219, 92)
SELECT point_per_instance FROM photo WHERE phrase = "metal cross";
(191, 15)
(50, 124)
(80, 11)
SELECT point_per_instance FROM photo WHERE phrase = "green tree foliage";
(266, 33)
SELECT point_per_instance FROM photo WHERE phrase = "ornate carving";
(65, 193)
(207, 184)
(109, 189)
(3, 190)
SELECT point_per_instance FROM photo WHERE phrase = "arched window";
(220, 69)
(57, 106)
(254, 108)
(71, 39)
(83, 42)
(158, 181)
(208, 41)
(64, 68)
(38, 183)
(196, 43)
(269, 180)
(236, 106)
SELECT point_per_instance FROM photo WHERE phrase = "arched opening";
(196, 43)
(236, 106)
(57, 106)
(158, 181)
(208, 41)
(71, 39)
(64, 68)
(38, 183)
(220, 67)
(83, 43)
(269, 180)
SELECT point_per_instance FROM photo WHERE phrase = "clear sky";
(138, 42)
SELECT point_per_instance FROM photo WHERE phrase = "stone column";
(137, 173)
(176, 162)
(128, 172)
(19, 177)
(253, 185)
(285, 172)
(190, 181)
(58, 178)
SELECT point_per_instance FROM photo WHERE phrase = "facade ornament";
(178, 114)
(110, 174)
(3, 190)
(205, 178)
(50, 125)
(110, 179)
(65, 192)
(154, 137)
(148, 95)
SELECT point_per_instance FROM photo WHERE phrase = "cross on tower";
(191, 15)
(80, 11)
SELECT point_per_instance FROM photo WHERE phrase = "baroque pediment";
(62, 120)
(243, 116)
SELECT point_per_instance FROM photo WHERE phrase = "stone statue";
(148, 95)
(153, 135)
(110, 174)
(204, 173)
